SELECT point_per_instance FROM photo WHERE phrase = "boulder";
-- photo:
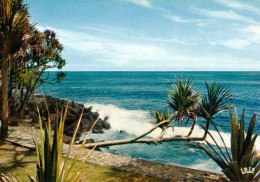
(70, 118)
(74, 111)
(88, 141)
(85, 125)
(106, 125)
(95, 115)
(95, 130)
(87, 110)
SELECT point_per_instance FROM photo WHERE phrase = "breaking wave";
(137, 122)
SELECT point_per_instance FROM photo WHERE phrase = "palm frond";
(215, 100)
(183, 99)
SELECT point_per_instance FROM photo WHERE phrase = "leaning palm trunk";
(192, 126)
(141, 139)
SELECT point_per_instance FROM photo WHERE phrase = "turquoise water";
(127, 98)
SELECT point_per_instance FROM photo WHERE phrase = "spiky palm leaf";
(242, 149)
(182, 98)
(15, 26)
(160, 116)
(215, 100)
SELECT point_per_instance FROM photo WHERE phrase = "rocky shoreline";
(73, 115)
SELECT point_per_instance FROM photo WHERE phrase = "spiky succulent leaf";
(242, 149)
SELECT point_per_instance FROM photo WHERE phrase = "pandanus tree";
(14, 30)
(183, 100)
(214, 102)
(185, 103)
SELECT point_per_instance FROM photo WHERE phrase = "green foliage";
(51, 166)
(242, 164)
(214, 102)
(182, 98)
(27, 74)
(14, 26)
(160, 116)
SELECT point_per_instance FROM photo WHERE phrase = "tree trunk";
(207, 127)
(4, 96)
(143, 140)
(140, 139)
(192, 126)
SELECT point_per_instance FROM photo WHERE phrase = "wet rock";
(106, 125)
(87, 110)
(88, 141)
(95, 130)
(95, 115)
(85, 125)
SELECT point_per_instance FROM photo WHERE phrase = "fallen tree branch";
(140, 139)
(144, 140)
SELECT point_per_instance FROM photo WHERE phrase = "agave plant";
(183, 99)
(242, 164)
(51, 166)
(214, 102)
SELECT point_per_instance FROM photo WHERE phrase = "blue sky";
(154, 35)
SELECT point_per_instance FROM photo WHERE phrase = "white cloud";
(228, 15)
(248, 36)
(144, 3)
(252, 29)
(108, 54)
(131, 34)
(181, 20)
(235, 43)
(198, 22)
(237, 5)
(116, 52)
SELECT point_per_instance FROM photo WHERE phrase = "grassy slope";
(20, 161)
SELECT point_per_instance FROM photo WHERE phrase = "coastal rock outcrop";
(73, 114)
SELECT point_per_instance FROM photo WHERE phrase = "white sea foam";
(138, 121)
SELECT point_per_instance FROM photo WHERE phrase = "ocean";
(127, 98)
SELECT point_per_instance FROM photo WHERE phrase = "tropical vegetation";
(242, 163)
(25, 55)
(51, 166)
(185, 103)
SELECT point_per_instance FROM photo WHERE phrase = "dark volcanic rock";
(85, 125)
(106, 125)
(73, 115)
